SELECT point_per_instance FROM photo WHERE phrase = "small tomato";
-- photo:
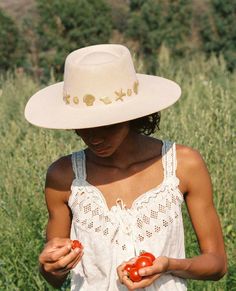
(128, 267)
(148, 255)
(76, 244)
(134, 275)
(143, 262)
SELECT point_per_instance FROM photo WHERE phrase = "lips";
(100, 148)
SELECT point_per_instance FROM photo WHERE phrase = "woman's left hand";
(149, 274)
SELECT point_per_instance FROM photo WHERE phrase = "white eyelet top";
(111, 236)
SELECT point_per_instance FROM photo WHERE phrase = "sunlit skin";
(120, 161)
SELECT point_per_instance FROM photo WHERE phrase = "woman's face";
(105, 140)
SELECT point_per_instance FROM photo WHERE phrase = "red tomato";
(134, 275)
(76, 244)
(143, 262)
(148, 255)
(128, 267)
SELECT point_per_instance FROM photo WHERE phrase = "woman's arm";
(211, 264)
(57, 259)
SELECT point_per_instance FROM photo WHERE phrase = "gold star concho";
(135, 87)
(120, 95)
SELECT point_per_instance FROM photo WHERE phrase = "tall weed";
(203, 119)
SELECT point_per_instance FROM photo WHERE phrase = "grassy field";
(203, 119)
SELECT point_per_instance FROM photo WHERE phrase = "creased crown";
(99, 75)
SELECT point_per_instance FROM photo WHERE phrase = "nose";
(95, 137)
(96, 140)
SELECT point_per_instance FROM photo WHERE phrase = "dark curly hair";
(146, 124)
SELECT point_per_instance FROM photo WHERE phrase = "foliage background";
(204, 118)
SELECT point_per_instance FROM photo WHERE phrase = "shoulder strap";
(169, 158)
(78, 165)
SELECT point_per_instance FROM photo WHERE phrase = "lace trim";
(150, 196)
(90, 215)
(78, 165)
(152, 212)
(169, 159)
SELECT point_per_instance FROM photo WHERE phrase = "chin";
(103, 153)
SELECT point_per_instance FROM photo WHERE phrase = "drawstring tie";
(123, 216)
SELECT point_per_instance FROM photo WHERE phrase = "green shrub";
(68, 25)
(154, 22)
(217, 30)
(119, 14)
(11, 43)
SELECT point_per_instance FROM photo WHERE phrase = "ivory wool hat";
(100, 88)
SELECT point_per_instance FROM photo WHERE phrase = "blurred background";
(190, 41)
(36, 35)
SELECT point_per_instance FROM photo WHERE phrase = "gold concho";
(76, 100)
(129, 92)
(89, 99)
(120, 95)
(106, 100)
(135, 87)
(67, 98)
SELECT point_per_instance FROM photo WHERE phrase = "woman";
(123, 193)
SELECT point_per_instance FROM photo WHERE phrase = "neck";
(129, 152)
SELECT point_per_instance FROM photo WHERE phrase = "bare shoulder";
(191, 169)
(60, 174)
(189, 157)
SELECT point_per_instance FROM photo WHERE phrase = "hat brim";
(47, 109)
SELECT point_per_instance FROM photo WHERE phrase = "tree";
(68, 25)
(217, 29)
(11, 44)
(157, 22)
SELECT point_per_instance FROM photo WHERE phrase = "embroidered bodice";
(111, 236)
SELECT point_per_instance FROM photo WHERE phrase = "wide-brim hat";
(100, 88)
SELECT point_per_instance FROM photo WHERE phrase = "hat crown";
(100, 88)
(99, 75)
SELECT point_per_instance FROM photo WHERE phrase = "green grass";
(203, 119)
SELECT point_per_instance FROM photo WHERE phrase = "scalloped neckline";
(134, 202)
(139, 197)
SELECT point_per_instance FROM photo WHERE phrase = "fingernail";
(141, 272)
(133, 260)
(77, 250)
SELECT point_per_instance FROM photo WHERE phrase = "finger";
(77, 260)
(48, 256)
(125, 280)
(132, 261)
(145, 282)
(148, 271)
(120, 270)
(68, 260)
(64, 263)
(128, 283)
(56, 243)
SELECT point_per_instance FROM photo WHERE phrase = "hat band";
(90, 99)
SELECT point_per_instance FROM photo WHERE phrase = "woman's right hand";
(57, 257)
